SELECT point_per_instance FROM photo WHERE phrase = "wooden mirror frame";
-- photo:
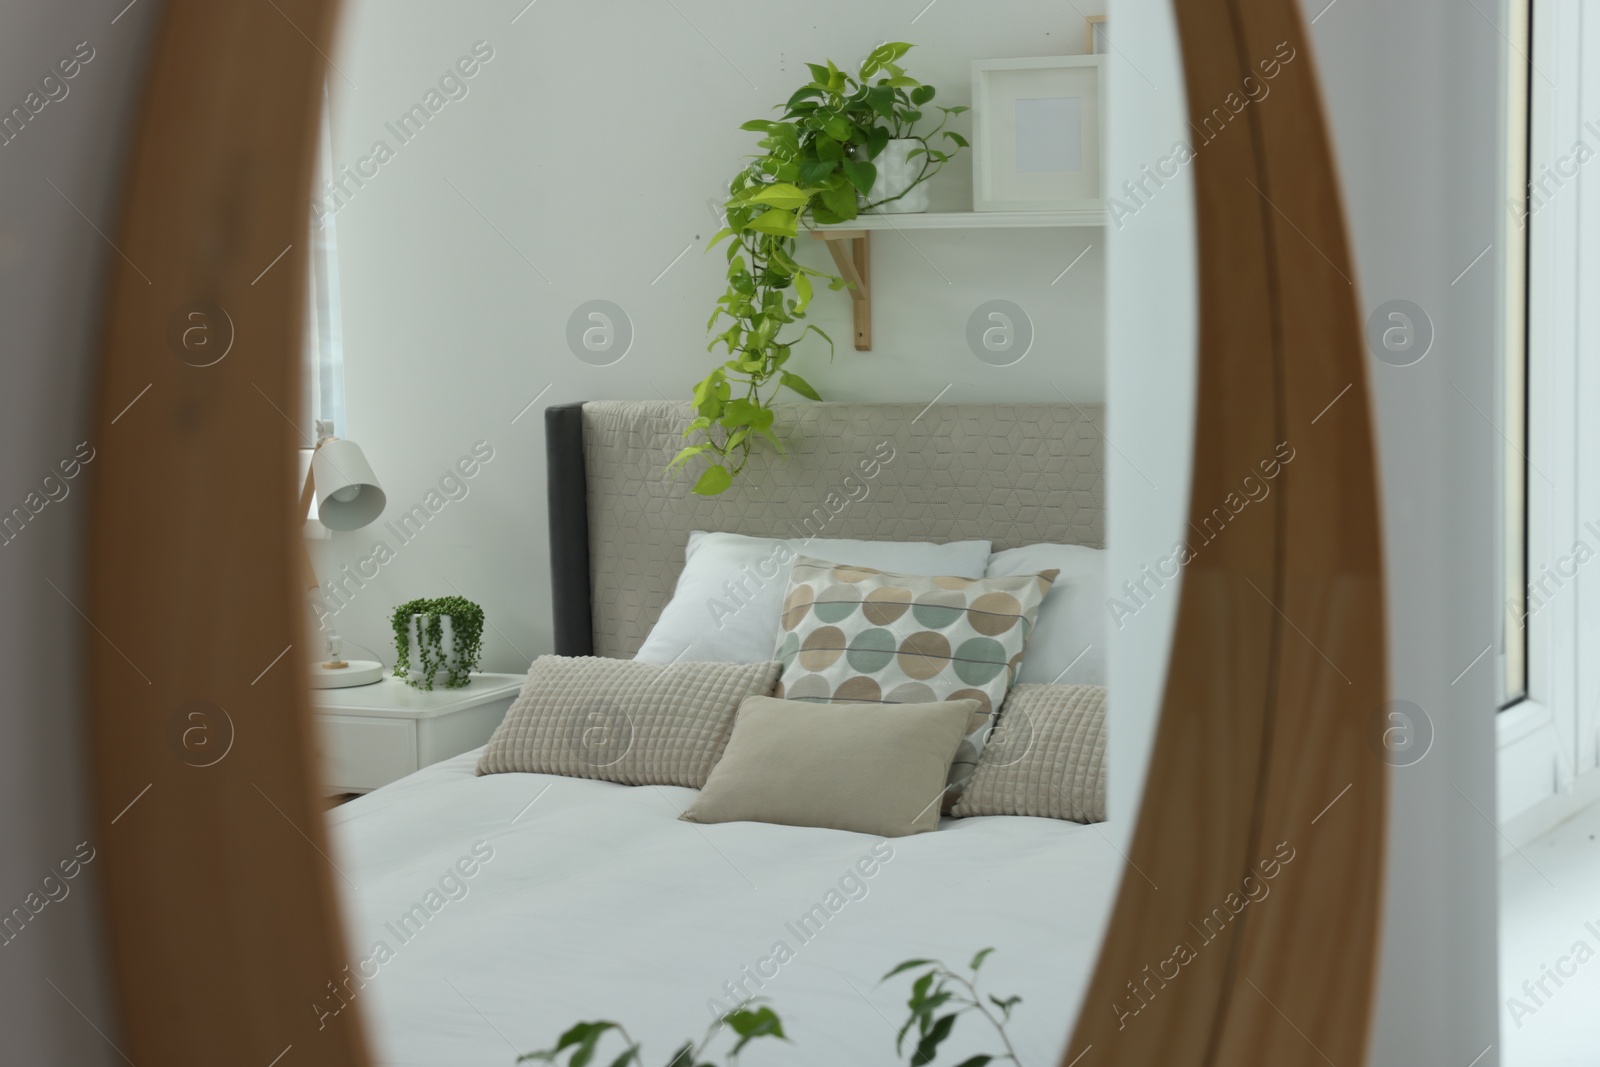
(224, 924)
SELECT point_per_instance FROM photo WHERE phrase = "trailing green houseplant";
(466, 628)
(815, 166)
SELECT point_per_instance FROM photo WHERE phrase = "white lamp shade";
(348, 494)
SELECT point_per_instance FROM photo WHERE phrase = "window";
(322, 372)
(1547, 741)
(1513, 636)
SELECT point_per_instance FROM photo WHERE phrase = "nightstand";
(371, 735)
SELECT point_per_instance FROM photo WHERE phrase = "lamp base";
(355, 672)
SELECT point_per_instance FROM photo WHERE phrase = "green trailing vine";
(466, 624)
(939, 997)
(815, 166)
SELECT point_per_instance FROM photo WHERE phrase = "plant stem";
(1011, 1053)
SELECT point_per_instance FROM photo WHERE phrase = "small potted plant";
(437, 636)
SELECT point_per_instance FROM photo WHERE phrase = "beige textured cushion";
(874, 770)
(621, 721)
(1046, 756)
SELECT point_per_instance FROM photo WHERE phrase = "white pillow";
(730, 594)
(1073, 626)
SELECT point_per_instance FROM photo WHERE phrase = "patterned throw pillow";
(854, 635)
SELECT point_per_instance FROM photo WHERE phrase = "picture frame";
(1036, 133)
(1095, 41)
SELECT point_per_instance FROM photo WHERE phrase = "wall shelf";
(850, 244)
(971, 220)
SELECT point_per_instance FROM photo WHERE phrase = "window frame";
(1546, 751)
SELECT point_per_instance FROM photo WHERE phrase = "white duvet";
(488, 914)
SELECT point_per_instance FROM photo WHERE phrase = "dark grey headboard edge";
(571, 592)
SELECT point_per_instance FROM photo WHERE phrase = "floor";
(1550, 948)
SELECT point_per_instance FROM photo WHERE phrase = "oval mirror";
(969, 657)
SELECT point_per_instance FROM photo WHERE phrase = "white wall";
(1152, 344)
(591, 144)
(51, 265)
(1413, 94)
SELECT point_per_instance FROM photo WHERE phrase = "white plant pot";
(416, 630)
(896, 172)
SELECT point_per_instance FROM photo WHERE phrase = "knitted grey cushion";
(1045, 757)
(621, 721)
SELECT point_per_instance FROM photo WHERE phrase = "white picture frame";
(1036, 133)
(1095, 41)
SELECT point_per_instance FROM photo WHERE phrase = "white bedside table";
(371, 735)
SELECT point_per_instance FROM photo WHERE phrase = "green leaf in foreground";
(938, 989)
(906, 966)
(749, 1025)
(928, 1047)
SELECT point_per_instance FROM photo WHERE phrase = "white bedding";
(598, 903)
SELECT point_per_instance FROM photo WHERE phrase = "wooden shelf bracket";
(852, 254)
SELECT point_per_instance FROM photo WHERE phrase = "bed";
(587, 899)
(599, 903)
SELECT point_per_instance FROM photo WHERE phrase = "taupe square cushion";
(621, 721)
(1045, 757)
(874, 769)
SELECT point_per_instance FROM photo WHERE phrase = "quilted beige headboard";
(1014, 474)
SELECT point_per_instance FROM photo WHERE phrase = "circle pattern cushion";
(854, 635)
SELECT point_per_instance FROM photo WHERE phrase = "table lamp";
(348, 498)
